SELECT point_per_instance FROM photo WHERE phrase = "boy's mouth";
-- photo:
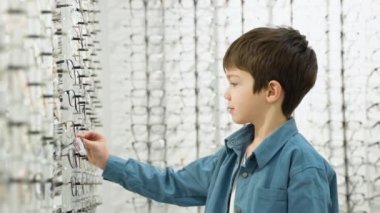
(230, 109)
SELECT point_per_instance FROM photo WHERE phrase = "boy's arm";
(186, 187)
(311, 190)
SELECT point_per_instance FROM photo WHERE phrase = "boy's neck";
(264, 128)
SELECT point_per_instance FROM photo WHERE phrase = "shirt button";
(244, 174)
(238, 210)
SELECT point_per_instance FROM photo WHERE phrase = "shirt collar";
(238, 141)
(274, 142)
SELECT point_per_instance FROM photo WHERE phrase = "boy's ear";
(274, 91)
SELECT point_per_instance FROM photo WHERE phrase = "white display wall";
(49, 90)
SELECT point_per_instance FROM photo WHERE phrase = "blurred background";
(148, 74)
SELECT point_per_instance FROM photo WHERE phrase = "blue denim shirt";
(284, 174)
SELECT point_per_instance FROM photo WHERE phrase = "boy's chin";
(238, 121)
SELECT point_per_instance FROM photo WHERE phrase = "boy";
(267, 165)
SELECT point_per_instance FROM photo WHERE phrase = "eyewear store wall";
(149, 74)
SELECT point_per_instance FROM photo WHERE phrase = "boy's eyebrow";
(232, 75)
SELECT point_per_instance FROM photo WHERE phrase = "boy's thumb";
(87, 143)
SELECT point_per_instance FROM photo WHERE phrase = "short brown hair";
(280, 54)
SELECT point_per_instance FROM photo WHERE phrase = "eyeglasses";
(137, 5)
(141, 113)
(28, 189)
(80, 184)
(67, 130)
(372, 111)
(87, 204)
(187, 97)
(137, 204)
(77, 100)
(141, 132)
(139, 149)
(75, 159)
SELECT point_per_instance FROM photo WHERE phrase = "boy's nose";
(227, 95)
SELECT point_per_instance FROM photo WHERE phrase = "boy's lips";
(230, 109)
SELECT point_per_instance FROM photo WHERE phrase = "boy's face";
(243, 105)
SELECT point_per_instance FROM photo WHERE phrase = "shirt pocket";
(270, 200)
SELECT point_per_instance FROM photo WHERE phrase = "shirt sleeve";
(185, 187)
(310, 190)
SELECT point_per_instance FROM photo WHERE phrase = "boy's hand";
(95, 144)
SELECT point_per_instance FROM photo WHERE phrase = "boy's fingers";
(86, 134)
(87, 143)
(81, 134)
(90, 135)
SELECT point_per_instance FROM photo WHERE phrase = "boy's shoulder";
(302, 155)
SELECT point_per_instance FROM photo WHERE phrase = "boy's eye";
(233, 84)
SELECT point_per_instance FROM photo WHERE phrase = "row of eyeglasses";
(49, 85)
